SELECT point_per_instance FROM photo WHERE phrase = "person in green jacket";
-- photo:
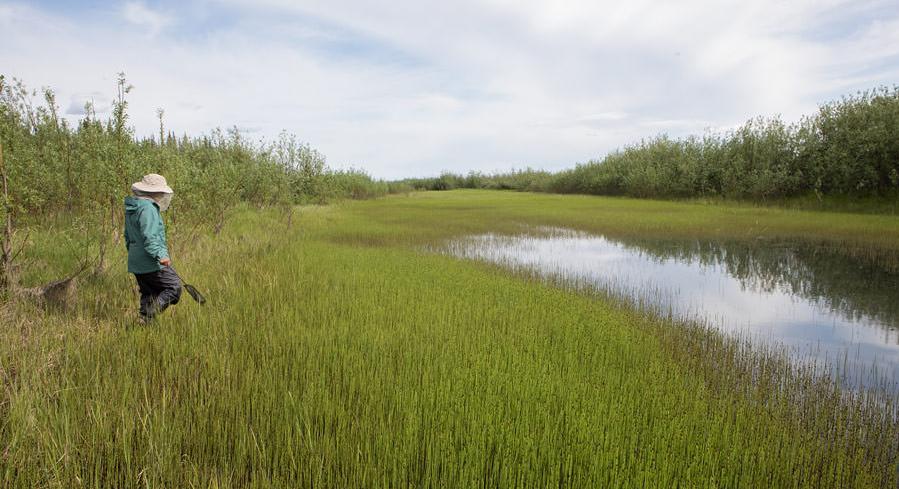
(148, 254)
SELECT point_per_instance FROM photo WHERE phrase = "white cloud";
(414, 87)
(604, 117)
(139, 14)
(677, 124)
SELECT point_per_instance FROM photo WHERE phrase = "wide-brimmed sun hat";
(153, 184)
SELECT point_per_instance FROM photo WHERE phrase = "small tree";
(114, 156)
(6, 256)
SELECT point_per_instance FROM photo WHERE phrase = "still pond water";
(824, 308)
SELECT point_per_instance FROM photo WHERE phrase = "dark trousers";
(158, 290)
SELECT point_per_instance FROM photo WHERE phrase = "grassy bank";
(339, 353)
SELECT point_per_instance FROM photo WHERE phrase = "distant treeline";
(849, 147)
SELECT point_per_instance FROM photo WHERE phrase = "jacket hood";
(133, 204)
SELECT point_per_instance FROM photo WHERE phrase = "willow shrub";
(86, 168)
(850, 147)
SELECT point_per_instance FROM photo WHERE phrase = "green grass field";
(341, 353)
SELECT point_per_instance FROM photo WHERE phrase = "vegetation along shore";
(341, 347)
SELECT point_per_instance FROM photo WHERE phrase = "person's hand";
(165, 262)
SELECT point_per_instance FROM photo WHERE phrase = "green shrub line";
(849, 147)
(85, 169)
(55, 171)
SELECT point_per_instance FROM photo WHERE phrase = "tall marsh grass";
(336, 353)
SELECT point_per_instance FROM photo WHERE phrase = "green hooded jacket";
(144, 236)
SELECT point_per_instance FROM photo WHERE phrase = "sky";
(415, 87)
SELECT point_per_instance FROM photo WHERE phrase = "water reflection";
(826, 308)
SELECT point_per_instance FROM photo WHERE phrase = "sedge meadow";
(339, 349)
